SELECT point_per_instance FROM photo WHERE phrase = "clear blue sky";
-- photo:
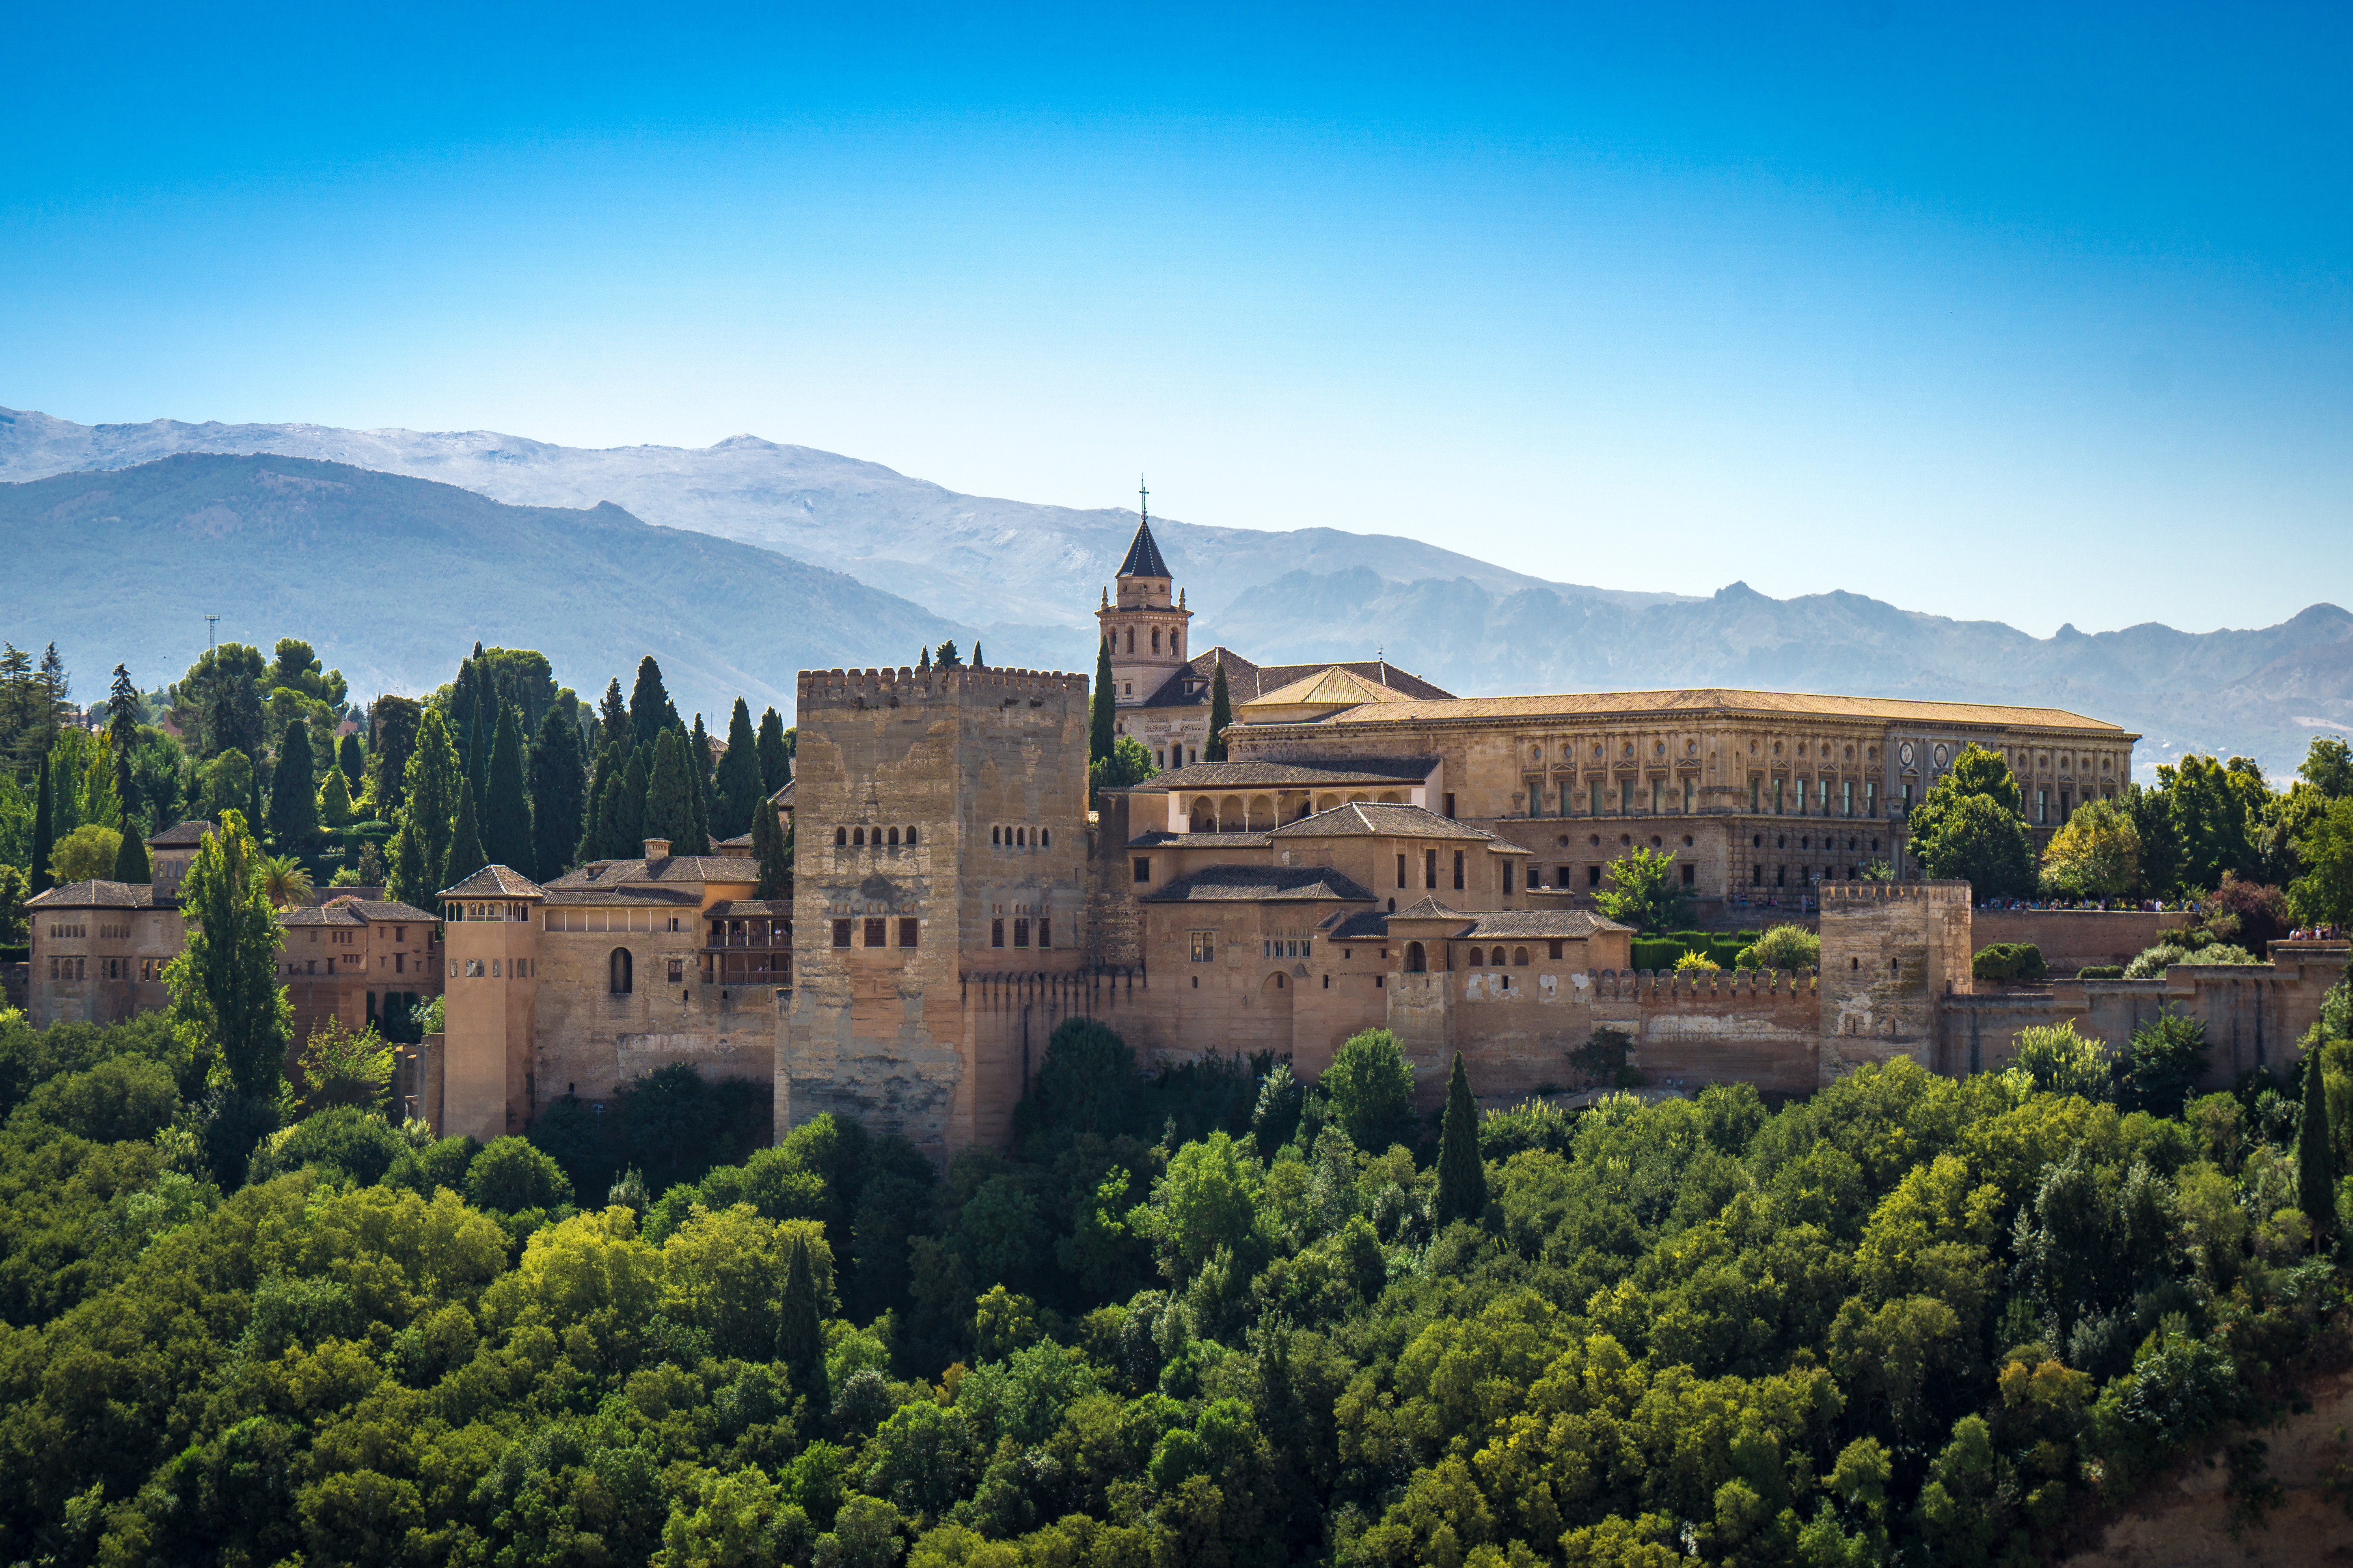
(2034, 315)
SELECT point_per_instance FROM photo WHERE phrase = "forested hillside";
(1196, 1317)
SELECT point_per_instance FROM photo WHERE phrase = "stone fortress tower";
(940, 844)
(489, 1025)
(1145, 627)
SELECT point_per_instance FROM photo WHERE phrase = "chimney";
(657, 849)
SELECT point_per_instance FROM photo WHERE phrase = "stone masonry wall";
(2071, 939)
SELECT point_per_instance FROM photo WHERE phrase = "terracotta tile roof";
(1160, 839)
(1427, 908)
(736, 908)
(494, 882)
(186, 833)
(96, 894)
(1338, 773)
(740, 841)
(327, 915)
(1356, 925)
(1330, 687)
(668, 897)
(1700, 701)
(1246, 884)
(1143, 553)
(1193, 686)
(1361, 820)
(1553, 924)
(669, 869)
(393, 910)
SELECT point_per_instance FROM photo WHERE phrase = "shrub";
(346, 1143)
(1782, 947)
(511, 1176)
(2062, 1061)
(2019, 961)
(1371, 1087)
(1699, 963)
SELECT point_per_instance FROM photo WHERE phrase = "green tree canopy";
(1971, 829)
(650, 709)
(393, 729)
(1642, 891)
(669, 795)
(1370, 1085)
(228, 1004)
(293, 792)
(2095, 855)
(435, 784)
(776, 752)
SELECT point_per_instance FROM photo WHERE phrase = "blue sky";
(2029, 314)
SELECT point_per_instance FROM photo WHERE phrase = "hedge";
(2010, 960)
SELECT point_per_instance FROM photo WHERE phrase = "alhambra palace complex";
(1376, 853)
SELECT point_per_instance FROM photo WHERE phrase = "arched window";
(1021, 838)
(1045, 836)
(857, 837)
(993, 834)
(1156, 639)
(1130, 639)
(895, 838)
(1519, 958)
(911, 834)
(1416, 962)
(841, 836)
(619, 968)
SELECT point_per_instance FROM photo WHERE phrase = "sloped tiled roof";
(1142, 554)
(1700, 701)
(1427, 908)
(606, 874)
(96, 894)
(1192, 686)
(1330, 687)
(784, 796)
(1553, 924)
(1360, 819)
(391, 909)
(1245, 884)
(494, 882)
(1161, 838)
(322, 915)
(668, 896)
(186, 834)
(1337, 773)
(740, 908)
(1356, 925)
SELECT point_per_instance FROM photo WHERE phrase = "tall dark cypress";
(776, 756)
(506, 816)
(698, 757)
(626, 822)
(1221, 713)
(1099, 722)
(123, 736)
(293, 796)
(44, 832)
(131, 860)
(650, 709)
(603, 787)
(462, 694)
(736, 789)
(1461, 1174)
(559, 789)
(800, 1333)
(669, 795)
(612, 715)
(354, 762)
(478, 761)
(466, 855)
(2316, 1163)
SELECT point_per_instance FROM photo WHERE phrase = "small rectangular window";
(1755, 784)
(875, 933)
(1507, 875)
(1593, 875)
(1430, 868)
(1045, 931)
(1205, 946)
(841, 933)
(1555, 950)
(1020, 932)
(1687, 876)
(1689, 787)
(906, 930)
(473, 969)
(997, 933)
(1144, 868)
(1450, 803)
(1400, 870)
(1457, 870)
(677, 970)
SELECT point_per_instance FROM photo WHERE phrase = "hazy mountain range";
(929, 563)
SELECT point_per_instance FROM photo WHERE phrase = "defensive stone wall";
(1892, 951)
(2070, 939)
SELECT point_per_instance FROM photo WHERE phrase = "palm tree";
(286, 881)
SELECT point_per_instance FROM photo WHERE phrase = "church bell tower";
(1145, 624)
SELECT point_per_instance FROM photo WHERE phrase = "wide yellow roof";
(1329, 687)
(1697, 701)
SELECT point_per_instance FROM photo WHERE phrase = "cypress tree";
(131, 860)
(335, 801)
(461, 699)
(393, 724)
(1461, 1174)
(603, 783)
(466, 856)
(669, 795)
(1221, 713)
(947, 657)
(924, 662)
(226, 982)
(435, 781)
(506, 816)
(478, 761)
(353, 764)
(293, 796)
(977, 662)
(771, 846)
(123, 736)
(45, 831)
(776, 756)
(800, 1335)
(412, 877)
(698, 757)
(628, 818)
(559, 789)
(737, 788)
(1099, 722)
(612, 713)
(650, 709)
(2315, 1164)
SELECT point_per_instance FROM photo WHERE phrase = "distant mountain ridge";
(393, 580)
(1022, 577)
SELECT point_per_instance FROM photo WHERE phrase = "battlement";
(861, 689)
(1945, 892)
(1667, 984)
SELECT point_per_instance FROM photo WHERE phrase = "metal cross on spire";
(1143, 499)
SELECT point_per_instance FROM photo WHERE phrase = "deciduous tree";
(226, 1002)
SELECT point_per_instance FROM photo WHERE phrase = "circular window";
(1801, 748)
(1904, 754)
(1625, 838)
(1659, 749)
(1536, 754)
(1941, 754)
(2106, 763)
(1597, 839)
(1655, 843)
(1687, 841)
(1597, 751)
(1629, 748)
(1690, 748)
(1563, 841)
(1567, 753)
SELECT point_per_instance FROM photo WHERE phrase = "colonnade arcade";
(1242, 812)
